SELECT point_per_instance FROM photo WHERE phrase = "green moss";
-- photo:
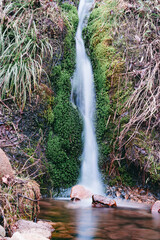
(49, 115)
(64, 144)
(107, 65)
(62, 168)
(71, 21)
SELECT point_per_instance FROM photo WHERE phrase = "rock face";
(27, 230)
(101, 201)
(6, 168)
(79, 192)
(156, 207)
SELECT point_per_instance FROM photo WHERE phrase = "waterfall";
(83, 96)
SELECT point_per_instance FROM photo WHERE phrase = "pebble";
(134, 194)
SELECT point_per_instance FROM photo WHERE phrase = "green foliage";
(107, 65)
(124, 176)
(61, 81)
(70, 14)
(64, 144)
(65, 125)
(49, 115)
(62, 169)
(71, 21)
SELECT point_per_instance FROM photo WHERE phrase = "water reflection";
(72, 221)
(86, 223)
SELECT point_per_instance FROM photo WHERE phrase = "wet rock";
(2, 231)
(27, 230)
(156, 207)
(6, 168)
(75, 199)
(101, 201)
(79, 192)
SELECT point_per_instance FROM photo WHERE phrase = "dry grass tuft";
(18, 199)
(139, 28)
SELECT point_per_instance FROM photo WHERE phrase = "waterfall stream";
(83, 96)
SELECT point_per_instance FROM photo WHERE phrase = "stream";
(81, 222)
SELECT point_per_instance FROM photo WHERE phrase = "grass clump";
(26, 33)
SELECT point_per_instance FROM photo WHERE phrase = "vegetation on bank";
(37, 56)
(64, 144)
(122, 37)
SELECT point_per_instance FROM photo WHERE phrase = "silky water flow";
(83, 96)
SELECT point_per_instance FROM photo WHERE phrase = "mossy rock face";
(64, 144)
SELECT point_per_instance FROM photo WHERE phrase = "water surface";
(80, 222)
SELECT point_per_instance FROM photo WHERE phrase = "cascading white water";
(83, 96)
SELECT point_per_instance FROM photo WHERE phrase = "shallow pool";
(80, 221)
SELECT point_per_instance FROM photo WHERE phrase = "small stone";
(142, 192)
(127, 197)
(118, 194)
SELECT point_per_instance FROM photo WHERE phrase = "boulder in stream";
(79, 192)
(156, 207)
(101, 201)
